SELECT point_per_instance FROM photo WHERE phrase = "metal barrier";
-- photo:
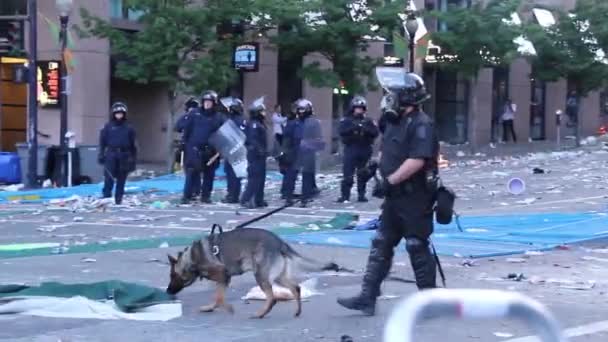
(469, 304)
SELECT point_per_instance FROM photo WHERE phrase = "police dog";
(218, 257)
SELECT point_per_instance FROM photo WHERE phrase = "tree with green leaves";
(477, 37)
(569, 50)
(339, 30)
(178, 45)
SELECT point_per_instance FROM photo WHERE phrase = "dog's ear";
(196, 252)
(172, 259)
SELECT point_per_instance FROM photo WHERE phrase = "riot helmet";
(191, 104)
(358, 102)
(304, 108)
(236, 106)
(257, 110)
(402, 89)
(414, 93)
(119, 108)
(209, 95)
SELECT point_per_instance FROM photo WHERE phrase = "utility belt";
(118, 149)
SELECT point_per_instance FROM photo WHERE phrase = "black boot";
(377, 269)
(342, 199)
(423, 264)
(344, 191)
(362, 198)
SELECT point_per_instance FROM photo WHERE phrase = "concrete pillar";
(555, 99)
(265, 81)
(480, 108)
(590, 114)
(519, 90)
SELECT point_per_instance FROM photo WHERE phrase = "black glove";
(381, 188)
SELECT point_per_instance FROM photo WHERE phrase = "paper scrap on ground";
(307, 289)
(81, 307)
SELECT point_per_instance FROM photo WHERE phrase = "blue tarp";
(173, 183)
(486, 236)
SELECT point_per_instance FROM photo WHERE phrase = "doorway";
(13, 107)
(500, 95)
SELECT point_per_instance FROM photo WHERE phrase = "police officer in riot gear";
(235, 113)
(289, 153)
(257, 150)
(358, 134)
(408, 166)
(117, 152)
(191, 107)
(311, 143)
(198, 152)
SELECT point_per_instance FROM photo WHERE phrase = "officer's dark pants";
(289, 181)
(115, 171)
(411, 218)
(208, 177)
(233, 183)
(193, 182)
(256, 178)
(355, 158)
(308, 185)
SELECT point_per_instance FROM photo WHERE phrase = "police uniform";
(292, 136)
(311, 143)
(192, 107)
(358, 134)
(235, 114)
(197, 150)
(407, 211)
(117, 152)
(257, 150)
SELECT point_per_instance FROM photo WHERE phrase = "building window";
(445, 5)
(118, 10)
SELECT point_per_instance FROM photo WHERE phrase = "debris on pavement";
(516, 260)
(88, 260)
(307, 290)
(164, 245)
(503, 335)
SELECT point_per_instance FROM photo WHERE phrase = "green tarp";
(128, 297)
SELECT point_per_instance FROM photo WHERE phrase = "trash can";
(10, 168)
(24, 157)
(88, 163)
(55, 162)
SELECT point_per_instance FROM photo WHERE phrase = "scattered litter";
(535, 253)
(232, 221)
(468, 263)
(54, 218)
(538, 171)
(12, 188)
(164, 245)
(591, 258)
(313, 226)
(516, 260)
(160, 205)
(571, 284)
(88, 260)
(503, 335)
(388, 297)
(195, 219)
(516, 276)
(499, 174)
(602, 251)
(527, 201)
(307, 289)
(333, 240)
(78, 219)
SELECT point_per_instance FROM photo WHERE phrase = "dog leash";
(215, 248)
(263, 216)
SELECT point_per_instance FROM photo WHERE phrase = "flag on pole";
(55, 31)
(400, 45)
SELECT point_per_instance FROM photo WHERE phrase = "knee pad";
(415, 245)
(382, 249)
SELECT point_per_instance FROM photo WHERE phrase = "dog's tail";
(309, 264)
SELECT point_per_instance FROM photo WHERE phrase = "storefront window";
(118, 10)
(451, 107)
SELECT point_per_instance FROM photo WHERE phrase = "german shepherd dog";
(218, 257)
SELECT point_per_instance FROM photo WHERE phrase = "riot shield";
(229, 141)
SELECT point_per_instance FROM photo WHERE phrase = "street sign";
(246, 57)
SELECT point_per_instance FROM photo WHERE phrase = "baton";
(212, 160)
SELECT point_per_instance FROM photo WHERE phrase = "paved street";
(573, 181)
